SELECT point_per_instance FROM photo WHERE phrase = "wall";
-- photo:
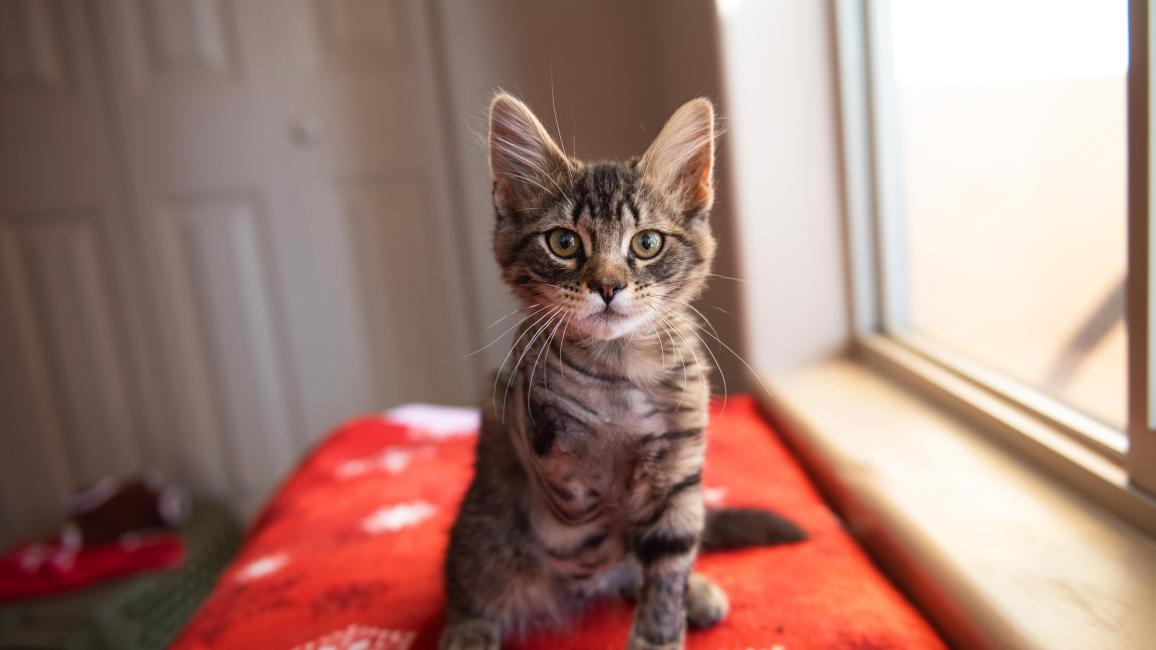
(786, 180)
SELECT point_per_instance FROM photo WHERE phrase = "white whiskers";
(525, 350)
(514, 346)
(500, 336)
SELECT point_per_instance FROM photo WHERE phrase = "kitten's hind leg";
(706, 602)
(469, 633)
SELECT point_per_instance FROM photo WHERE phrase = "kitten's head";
(610, 247)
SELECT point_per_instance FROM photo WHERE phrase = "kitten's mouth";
(608, 323)
(607, 315)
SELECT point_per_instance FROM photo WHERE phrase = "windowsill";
(997, 553)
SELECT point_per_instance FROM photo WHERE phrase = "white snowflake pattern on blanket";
(389, 461)
(262, 567)
(396, 517)
(362, 637)
(427, 421)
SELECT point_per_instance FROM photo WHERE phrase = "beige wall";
(785, 183)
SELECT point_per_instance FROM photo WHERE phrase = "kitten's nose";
(608, 288)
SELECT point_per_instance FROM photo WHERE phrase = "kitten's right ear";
(525, 164)
(680, 161)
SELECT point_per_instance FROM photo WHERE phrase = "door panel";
(31, 54)
(372, 174)
(75, 390)
(225, 243)
(37, 451)
(177, 42)
(386, 222)
(68, 304)
(191, 89)
(225, 226)
(352, 34)
(273, 322)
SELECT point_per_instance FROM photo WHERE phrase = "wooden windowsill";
(996, 553)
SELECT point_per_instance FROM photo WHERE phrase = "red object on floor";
(348, 554)
(47, 568)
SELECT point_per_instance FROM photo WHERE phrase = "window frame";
(1118, 469)
(1141, 461)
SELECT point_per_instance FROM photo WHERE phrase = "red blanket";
(348, 553)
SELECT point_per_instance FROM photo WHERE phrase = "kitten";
(589, 463)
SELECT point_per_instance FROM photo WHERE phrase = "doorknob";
(307, 131)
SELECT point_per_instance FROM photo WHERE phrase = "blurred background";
(228, 225)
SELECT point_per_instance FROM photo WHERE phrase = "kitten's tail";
(730, 528)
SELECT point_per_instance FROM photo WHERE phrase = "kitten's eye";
(646, 244)
(563, 243)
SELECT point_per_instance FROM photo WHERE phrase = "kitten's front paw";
(474, 634)
(706, 602)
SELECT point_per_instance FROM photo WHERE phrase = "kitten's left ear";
(524, 161)
(680, 161)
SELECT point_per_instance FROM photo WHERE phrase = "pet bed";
(348, 552)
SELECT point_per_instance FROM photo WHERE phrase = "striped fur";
(588, 478)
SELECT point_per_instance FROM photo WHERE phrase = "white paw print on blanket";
(262, 567)
(427, 421)
(390, 461)
(362, 637)
(396, 517)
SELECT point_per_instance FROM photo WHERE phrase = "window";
(986, 148)
(1013, 161)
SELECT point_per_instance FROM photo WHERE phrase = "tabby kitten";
(589, 463)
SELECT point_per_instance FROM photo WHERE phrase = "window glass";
(1011, 119)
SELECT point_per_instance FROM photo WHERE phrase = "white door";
(277, 170)
(276, 151)
(370, 174)
(76, 398)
